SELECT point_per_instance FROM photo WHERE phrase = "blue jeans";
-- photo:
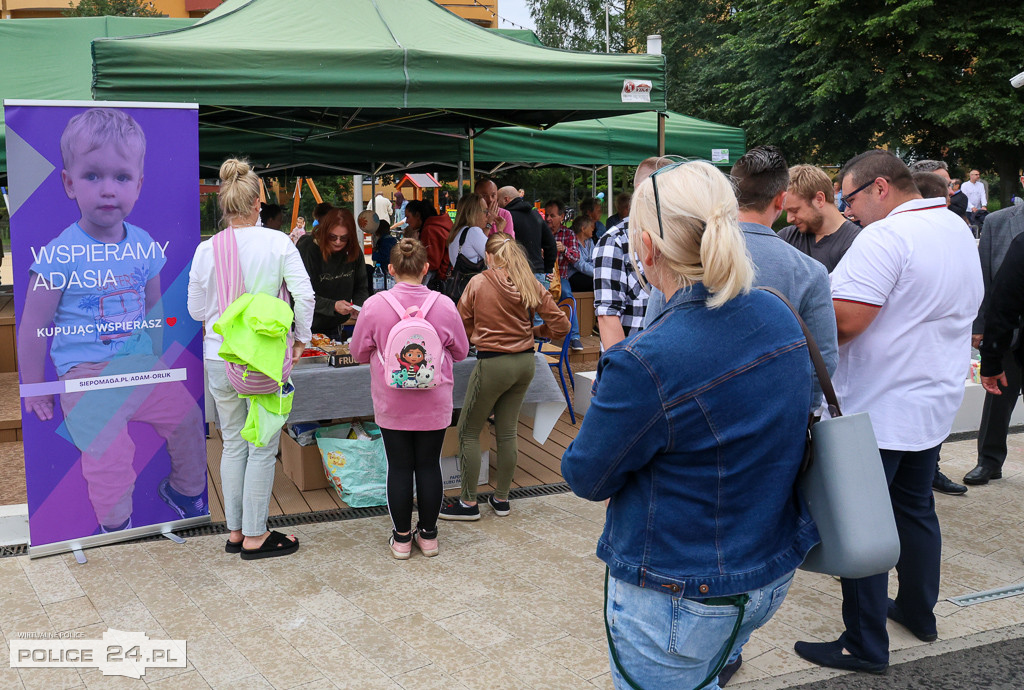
(574, 326)
(666, 641)
(866, 600)
(543, 278)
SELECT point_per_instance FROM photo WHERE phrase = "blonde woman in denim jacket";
(695, 436)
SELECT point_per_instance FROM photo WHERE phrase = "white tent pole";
(611, 192)
(357, 194)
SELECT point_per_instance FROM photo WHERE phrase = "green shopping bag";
(357, 467)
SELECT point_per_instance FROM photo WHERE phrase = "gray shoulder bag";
(844, 484)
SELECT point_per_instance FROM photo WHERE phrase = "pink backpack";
(231, 286)
(413, 353)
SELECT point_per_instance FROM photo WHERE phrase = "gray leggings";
(499, 384)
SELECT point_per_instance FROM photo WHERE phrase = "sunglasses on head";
(679, 160)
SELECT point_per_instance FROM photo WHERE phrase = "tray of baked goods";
(324, 351)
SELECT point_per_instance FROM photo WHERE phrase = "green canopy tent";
(51, 59)
(335, 73)
(619, 140)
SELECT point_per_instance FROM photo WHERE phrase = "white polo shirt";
(920, 265)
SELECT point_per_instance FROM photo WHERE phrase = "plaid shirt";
(570, 255)
(617, 290)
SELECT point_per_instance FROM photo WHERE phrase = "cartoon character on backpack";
(399, 378)
(425, 377)
(412, 357)
(414, 344)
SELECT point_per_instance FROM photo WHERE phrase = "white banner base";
(115, 537)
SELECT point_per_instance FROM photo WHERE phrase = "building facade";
(482, 12)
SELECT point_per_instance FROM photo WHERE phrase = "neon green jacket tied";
(255, 331)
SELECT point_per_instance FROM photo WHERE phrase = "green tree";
(579, 24)
(111, 8)
(826, 79)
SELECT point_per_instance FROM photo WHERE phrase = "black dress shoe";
(895, 614)
(831, 654)
(945, 485)
(729, 670)
(981, 474)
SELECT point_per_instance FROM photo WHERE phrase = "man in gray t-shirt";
(818, 229)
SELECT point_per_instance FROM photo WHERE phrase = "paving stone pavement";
(511, 602)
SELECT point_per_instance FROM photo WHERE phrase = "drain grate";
(13, 550)
(321, 516)
(988, 595)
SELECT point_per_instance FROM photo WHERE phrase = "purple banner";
(104, 221)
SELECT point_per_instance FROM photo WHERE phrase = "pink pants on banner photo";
(98, 424)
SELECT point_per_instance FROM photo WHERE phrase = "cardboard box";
(303, 464)
(451, 467)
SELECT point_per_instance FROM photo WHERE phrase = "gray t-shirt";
(829, 249)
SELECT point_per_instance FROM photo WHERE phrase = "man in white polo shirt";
(977, 199)
(905, 294)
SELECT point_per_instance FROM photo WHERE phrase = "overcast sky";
(514, 11)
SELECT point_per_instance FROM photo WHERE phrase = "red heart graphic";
(171, 320)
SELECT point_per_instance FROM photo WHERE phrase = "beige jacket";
(496, 319)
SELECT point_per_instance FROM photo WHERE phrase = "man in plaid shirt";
(619, 299)
(568, 254)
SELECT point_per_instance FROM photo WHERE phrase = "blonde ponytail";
(510, 256)
(239, 188)
(702, 239)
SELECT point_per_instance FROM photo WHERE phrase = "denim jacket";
(696, 432)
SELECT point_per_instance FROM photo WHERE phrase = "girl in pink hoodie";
(412, 422)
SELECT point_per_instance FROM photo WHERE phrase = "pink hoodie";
(409, 410)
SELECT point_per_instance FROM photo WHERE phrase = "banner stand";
(79, 545)
(104, 224)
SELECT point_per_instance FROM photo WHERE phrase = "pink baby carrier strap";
(231, 286)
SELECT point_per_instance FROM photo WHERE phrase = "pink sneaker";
(427, 546)
(399, 549)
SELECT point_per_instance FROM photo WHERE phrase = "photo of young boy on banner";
(110, 365)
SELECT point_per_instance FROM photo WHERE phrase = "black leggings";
(414, 453)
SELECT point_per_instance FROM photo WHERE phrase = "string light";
(499, 18)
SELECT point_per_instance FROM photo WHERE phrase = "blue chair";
(558, 358)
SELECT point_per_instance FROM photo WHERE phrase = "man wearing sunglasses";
(906, 294)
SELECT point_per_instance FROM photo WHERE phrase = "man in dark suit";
(1000, 229)
(957, 199)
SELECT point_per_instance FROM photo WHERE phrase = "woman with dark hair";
(424, 223)
(337, 271)
(271, 216)
(383, 243)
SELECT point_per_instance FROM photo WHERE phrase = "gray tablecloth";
(322, 392)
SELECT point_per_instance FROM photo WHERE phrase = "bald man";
(498, 219)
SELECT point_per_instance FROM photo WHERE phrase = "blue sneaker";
(184, 506)
(127, 524)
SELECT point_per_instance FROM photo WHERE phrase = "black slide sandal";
(276, 544)
(233, 547)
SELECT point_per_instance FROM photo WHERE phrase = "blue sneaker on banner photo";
(184, 506)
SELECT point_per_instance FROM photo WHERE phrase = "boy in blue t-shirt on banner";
(95, 289)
